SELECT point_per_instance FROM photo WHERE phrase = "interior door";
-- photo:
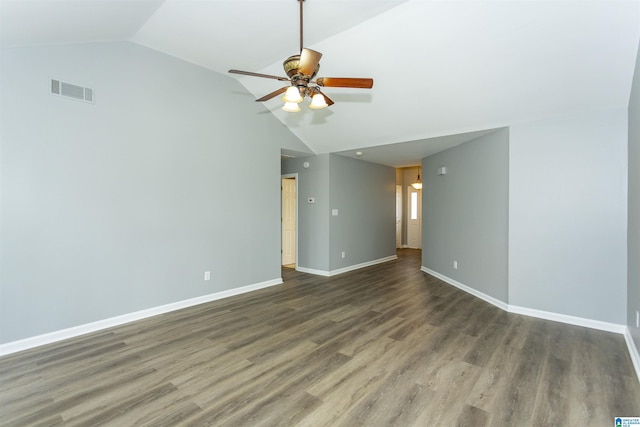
(398, 216)
(288, 221)
(414, 222)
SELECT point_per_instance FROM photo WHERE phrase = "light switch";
(334, 212)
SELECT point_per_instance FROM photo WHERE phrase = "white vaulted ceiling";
(440, 67)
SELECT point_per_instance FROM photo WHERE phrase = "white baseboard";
(541, 314)
(633, 351)
(408, 247)
(312, 271)
(51, 337)
(362, 265)
(571, 320)
(467, 289)
(345, 269)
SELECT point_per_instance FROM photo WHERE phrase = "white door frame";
(295, 177)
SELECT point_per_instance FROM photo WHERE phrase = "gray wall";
(633, 230)
(568, 215)
(313, 219)
(465, 213)
(122, 205)
(364, 194)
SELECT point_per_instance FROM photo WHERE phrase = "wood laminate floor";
(385, 345)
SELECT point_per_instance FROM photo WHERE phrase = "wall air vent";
(69, 90)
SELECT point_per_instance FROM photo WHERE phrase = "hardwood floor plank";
(486, 344)
(487, 391)
(472, 417)
(170, 417)
(392, 404)
(117, 414)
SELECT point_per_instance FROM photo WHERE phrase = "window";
(414, 205)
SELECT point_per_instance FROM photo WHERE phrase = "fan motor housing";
(291, 65)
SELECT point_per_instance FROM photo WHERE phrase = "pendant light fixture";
(418, 184)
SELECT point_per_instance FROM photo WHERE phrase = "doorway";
(414, 218)
(289, 220)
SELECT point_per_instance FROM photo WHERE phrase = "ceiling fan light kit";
(301, 70)
(291, 107)
(292, 95)
(318, 102)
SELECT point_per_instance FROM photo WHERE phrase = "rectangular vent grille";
(69, 90)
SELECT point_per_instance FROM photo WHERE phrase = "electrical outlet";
(455, 265)
(344, 255)
(207, 275)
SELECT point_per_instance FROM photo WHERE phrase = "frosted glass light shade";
(292, 95)
(291, 107)
(318, 102)
(418, 184)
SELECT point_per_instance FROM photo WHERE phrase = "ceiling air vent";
(69, 90)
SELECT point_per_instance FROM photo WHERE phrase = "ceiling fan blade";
(309, 60)
(266, 76)
(327, 99)
(273, 94)
(345, 82)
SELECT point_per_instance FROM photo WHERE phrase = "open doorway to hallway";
(408, 208)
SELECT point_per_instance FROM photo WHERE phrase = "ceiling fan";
(301, 69)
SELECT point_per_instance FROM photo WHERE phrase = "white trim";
(312, 271)
(362, 265)
(633, 351)
(571, 320)
(345, 269)
(541, 314)
(51, 337)
(467, 289)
